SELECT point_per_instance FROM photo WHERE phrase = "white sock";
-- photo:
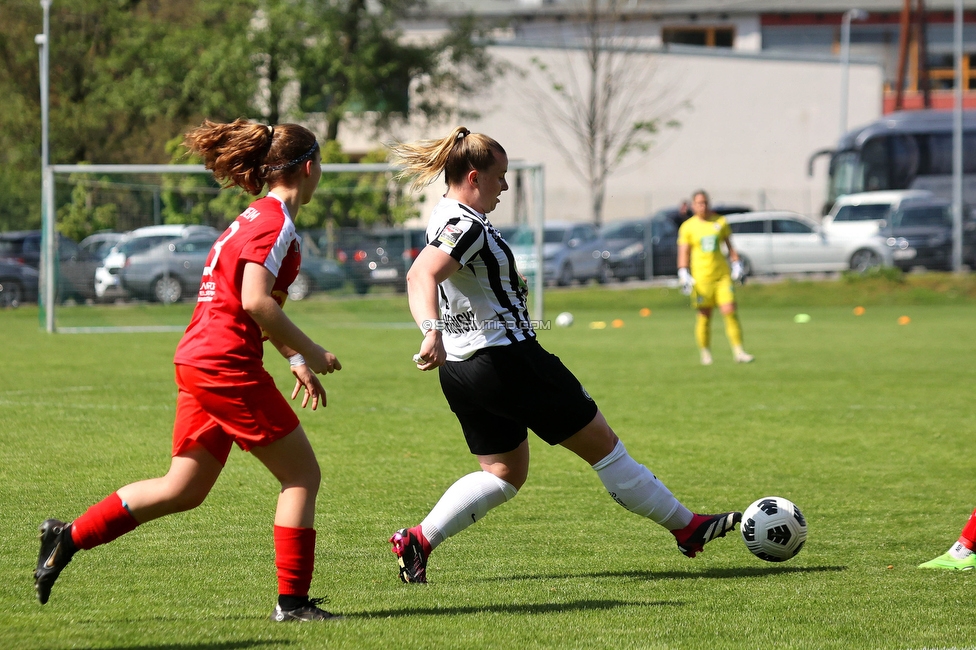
(959, 551)
(636, 488)
(465, 502)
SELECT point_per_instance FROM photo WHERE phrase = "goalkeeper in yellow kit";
(710, 280)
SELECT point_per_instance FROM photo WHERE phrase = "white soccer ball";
(564, 319)
(773, 529)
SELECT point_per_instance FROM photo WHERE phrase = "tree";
(356, 62)
(129, 76)
(598, 114)
(125, 76)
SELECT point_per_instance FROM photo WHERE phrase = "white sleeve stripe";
(276, 255)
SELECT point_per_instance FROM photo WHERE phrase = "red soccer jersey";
(221, 335)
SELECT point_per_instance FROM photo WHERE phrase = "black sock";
(291, 602)
(68, 544)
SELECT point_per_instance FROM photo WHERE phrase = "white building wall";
(751, 126)
(750, 129)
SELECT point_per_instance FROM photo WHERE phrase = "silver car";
(169, 271)
(572, 252)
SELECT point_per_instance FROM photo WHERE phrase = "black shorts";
(501, 391)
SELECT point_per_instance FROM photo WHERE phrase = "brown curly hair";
(250, 155)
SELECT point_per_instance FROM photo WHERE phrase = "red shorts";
(215, 408)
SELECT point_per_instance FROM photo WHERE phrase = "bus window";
(845, 175)
(904, 161)
(937, 154)
(874, 157)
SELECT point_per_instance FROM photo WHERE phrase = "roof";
(926, 121)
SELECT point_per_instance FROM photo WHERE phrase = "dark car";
(18, 283)
(677, 217)
(628, 243)
(76, 267)
(317, 273)
(381, 257)
(919, 234)
(664, 233)
(169, 271)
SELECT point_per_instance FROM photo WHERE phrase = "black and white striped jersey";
(484, 303)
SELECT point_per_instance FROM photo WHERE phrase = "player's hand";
(687, 282)
(313, 387)
(736, 270)
(322, 362)
(432, 352)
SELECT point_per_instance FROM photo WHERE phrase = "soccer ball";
(773, 529)
(564, 319)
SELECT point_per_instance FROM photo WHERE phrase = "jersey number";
(234, 227)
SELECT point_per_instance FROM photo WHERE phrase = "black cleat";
(703, 529)
(57, 550)
(409, 550)
(306, 612)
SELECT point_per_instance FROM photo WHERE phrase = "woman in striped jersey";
(469, 300)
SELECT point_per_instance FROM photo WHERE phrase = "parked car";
(677, 217)
(100, 244)
(381, 257)
(76, 267)
(169, 271)
(628, 243)
(919, 234)
(317, 273)
(572, 252)
(787, 242)
(139, 240)
(628, 248)
(859, 218)
(18, 283)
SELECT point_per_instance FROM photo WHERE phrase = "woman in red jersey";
(225, 395)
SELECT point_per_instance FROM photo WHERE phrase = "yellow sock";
(703, 331)
(733, 330)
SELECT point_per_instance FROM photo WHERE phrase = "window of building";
(942, 71)
(701, 36)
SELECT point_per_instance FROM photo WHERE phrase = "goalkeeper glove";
(736, 270)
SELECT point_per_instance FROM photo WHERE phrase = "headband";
(305, 156)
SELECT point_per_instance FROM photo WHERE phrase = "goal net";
(151, 284)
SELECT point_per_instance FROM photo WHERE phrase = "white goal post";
(534, 212)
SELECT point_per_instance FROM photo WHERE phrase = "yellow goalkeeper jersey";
(704, 238)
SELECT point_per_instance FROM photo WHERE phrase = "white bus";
(902, 151)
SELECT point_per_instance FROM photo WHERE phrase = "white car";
(107, 282)
(787, 242)
(858, 218)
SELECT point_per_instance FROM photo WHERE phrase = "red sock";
(295, 558)
(103, 522)
(968, 537)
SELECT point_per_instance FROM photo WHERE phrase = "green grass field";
(866, 424)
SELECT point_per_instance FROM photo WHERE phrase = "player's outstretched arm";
(258, 303)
